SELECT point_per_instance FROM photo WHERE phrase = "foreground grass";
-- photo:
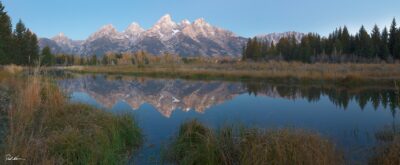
(197, 144)
(388, 151)
(44, 128)
(339, 73)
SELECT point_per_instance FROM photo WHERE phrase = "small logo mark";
(10, 157)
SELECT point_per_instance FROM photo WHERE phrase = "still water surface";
(349, 116)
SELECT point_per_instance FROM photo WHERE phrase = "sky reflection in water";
(348, 116)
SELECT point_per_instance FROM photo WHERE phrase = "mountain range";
(198, 38)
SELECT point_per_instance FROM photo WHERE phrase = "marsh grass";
(197, 144)
(387, 151)
(44, 128)
(294, 71)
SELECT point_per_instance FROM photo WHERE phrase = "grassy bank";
(284, 71)
(197, 144)
(44, 128)
(388, 150)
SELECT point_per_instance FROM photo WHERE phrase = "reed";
(347, 72)
(197, 144)
(387, 152)
(45, 128)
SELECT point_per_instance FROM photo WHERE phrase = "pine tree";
(47, 58)
(248, 49)
(376, 41)
(393, 39)
(20, 43)
(384, 48)
(363, 41)
(345, 40)
(257, 49)
(5, 36)
(396, 48)
(32, 53)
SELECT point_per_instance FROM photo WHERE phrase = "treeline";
(18, 46)
(140, 59)
(339, 46)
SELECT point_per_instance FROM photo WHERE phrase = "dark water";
(350, 116)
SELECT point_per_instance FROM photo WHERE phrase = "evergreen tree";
(396, 48)
(47, 58)
(5, 36)
(393, 39)
(93, 60)
(384, 48)
(256, 46)
(307, 48)
(32, 53)
(363, 44)
(20, 43)
(376, 41)
(345, 40)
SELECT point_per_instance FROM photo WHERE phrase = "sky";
(80, 18)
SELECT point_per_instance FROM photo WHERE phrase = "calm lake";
(349, 116)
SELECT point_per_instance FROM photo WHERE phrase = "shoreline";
(278, 72)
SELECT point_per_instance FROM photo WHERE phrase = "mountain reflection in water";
(168, 95)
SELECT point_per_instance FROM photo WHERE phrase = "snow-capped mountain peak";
(165, 22)
(164, 29)
(61, 39)
(106, 31)
(60, 35)
(184, 23)
(275, 37)
(201, 22)
(165, 19)
(134, 28)
(109, 28)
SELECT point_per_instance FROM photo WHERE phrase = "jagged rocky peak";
(164, 29)
(166, 20)
(201, 22)
(200, 28)
(61, 38)
(108, 28)
(134, 28)
(275, 37)
(185, 22)
(59, 35)
(106, 31)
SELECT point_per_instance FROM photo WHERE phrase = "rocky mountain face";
(275, 37)
(185, 38)
(61, 44)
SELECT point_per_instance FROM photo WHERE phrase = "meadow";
(346, 73)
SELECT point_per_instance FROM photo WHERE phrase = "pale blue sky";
(79, 18)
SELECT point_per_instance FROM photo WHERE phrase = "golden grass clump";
(197, 144)
(287, 146)
(13, 69)
(387, 152)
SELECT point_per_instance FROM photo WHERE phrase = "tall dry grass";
(266, 70)
(387, 152)
(45, 128)
(197, 144)
(13, 69)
